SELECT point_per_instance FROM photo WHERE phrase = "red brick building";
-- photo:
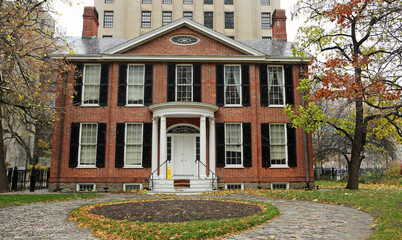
(185, 104)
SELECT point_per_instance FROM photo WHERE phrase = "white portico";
(183, 145)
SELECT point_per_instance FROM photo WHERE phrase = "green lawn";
(383, 202)
(18, 199)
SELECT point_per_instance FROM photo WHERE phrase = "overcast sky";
(70, 21)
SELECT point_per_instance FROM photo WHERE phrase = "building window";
(234, 186)
(231, 37)
(281, 186)
(184, 83)
(109, 1)
(146, 1)
(91, 84)
(167, 2)
(197, 149)
(209, 19)
(188, 1)
(232, 85)
(135, 84)
(166, 18)
(265, 2)
(208, 1)
(88, 140)
(133, 148)
(132, 186)
(266, 20)
(277, 137)
(169, 149)
(229, 20)
(266, 38)
(228, 2)
(276, 85)
(107, 36)
(233, 144)
(146, 19)
(108, 19)
(188, 15)
(86, 187)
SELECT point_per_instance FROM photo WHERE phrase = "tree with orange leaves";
(355, 48)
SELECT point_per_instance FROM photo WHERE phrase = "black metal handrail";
(151, 177)
(214, 176)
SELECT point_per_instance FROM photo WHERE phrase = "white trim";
(184, 35)
(136, 184)
(287, 185)
(192, 81)
(79, 146)
(125, 144)
(182, 124)
(232, 184)
(286, 165)
(77, 186)
(283, 86)
(83, 85)
(241, 165)
(143, 86)
(224, 85)
(183, 109)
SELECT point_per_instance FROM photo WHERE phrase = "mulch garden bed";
(176, 210)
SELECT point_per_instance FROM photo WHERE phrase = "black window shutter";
(220, 85)
(264, 86)
(245, 78)
(101, 146)
(291, 136)
(220, 144)
(120, 142)
(147, 145)
(247, 159)
(171, 83)
(74, 145)
(289, 84)
(104, 82)
(122, 88)
(149, 75)
(78, 74)
(265, 147)
(197, 78)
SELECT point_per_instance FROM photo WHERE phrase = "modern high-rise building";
(238, 19)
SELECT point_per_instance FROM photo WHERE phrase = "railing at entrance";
(214, 177)
(151, 177)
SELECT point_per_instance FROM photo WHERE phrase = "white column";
(212, 162)
(203, 147)
(154, 146)
(163, 148)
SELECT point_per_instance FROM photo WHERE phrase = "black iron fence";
(20, 180)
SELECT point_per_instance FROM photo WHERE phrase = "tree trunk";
(3, 170)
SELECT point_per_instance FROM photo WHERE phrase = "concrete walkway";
(300, 220)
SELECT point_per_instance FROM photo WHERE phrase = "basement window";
(234, 186)
(131, 186)
(279, 186)
(86, 187)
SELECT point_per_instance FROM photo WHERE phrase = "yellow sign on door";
(169, 173)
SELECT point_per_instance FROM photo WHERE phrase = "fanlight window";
(184, 129)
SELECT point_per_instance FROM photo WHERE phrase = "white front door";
(184, 155)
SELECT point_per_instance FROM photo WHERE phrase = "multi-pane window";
(184, 83)
(229, 20)
(228, 2)
(232, 85)
(108, 19)
(277, 135)
(266, 38)
(234, 186)
(276, 85)
(167, 2)
(188, 1)
(146, 1)
(166, 18)
(135, 84)
(266, 2)
(280, 186)
(91, 84)
(146, 19)
(107, 36)
(109, 1)
(208, 1)
(85, 187)
(88, 142)
(169, 149)
(133, 148)
(209, 19)
(266, 20)
(188, 15)
(233, 144)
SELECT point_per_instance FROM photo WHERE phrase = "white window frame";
(164, 17)
(286, 165)
(83, 86)
(224, 85)
(79, 147)
(144, 24)
(264, 24)
(188, 17)
(241, 147)
(283, 87)
(128, 184)
(125, 144)
(77, 186)
(287, 185)
(228, 184)
(143, 86)
(192, 81)
(109, 24)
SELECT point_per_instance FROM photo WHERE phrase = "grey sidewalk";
(300, 220)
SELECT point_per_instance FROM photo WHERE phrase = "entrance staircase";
(181, 186)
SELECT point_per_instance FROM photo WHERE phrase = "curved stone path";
(300, 220)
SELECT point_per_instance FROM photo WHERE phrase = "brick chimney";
(91, 23)
(279, 25)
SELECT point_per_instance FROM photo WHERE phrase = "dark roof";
(101, 45)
